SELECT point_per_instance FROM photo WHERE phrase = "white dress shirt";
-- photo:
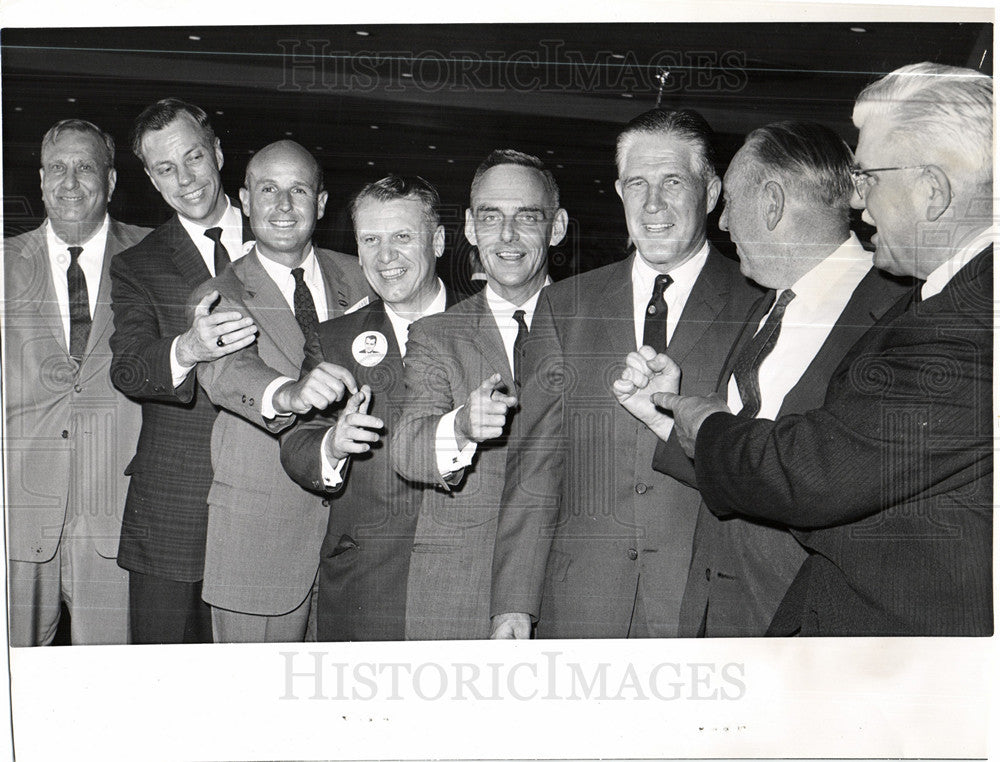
(91, 261)
(450, 458)
(231, 223)
(820, 297)
(332, 472)
(938, 279)
(676, 295)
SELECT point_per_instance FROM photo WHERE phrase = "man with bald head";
(264, 531)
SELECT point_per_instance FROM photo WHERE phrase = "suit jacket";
(741, 569)
(448, 355)
(365, 556)
(587, 525)
(264, 531)
(166, 511)
(888, 485)
(69, 433)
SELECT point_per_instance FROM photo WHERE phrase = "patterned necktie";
(747, 368)
(522, 334)
(221, 255)
(654, 333)
(305, 307)
(79, 305)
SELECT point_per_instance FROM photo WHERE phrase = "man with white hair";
(888, 486)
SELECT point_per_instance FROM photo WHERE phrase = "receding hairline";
(551, 195)
(290, 148)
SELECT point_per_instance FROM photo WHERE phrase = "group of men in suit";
(341, 449)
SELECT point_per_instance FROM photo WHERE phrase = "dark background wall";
(435, 99)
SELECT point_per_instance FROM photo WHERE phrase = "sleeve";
(140, 363)
(429, 378)
(238, 381)
(529, 505)
(670, 459)
(909, 421)
(452, 460)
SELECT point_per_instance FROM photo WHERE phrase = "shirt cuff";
(267, 398)
(178, 372)
(450, 458)
(332, 473)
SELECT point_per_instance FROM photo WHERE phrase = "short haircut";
(87, 128)
(685, 124)
(394, 187)
(163, 113)
(502, 156)
(811, 160)
(942, 114)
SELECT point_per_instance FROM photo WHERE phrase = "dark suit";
(166, 512)
(622, 532)
(69, 433)
(365, 557)
(888, 485)
(448, 356)
(741, 569)
(263, 531)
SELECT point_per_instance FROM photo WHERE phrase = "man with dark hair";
(591, 541)
(888, 485)
(365, 558)
(69, 434)
(156, 346)
(264, 532)
(462, 376)
(787, 197)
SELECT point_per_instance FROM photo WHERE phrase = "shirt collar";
(281, 274)
(500, 306)
(944, 272)
(849, 257)
(643, 274)
(230, 218)
(437, 305)
(55, 242)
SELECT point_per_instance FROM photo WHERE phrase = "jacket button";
(326, 503)
(250, 402)
(244, 399)
(77, 388)
(65, 434)
(708, 575)
(641, 488)
(633, 554)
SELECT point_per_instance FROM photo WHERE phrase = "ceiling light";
(550, 152)
(288, 134)
(619, 56)
(361, 33)
(194, 38)
(218, 113)
(451, 161)
(371, 164)
(559, 166)
(407, 75)
(433, 148)
(374, 126)
(319, 148)
(18, 108)
(71, 100)
(858, 29)
(627, 95)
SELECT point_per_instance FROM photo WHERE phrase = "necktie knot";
(220, 254)
(75, 252)
(215, 234)
(300, 276)
(519, 319)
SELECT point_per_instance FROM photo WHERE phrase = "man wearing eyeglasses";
(461, 378)
(888, 485)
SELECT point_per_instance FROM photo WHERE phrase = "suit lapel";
(615, 309)
(707, 298)
(37, 252)
(185, 255)
(486, 339)
(102, 312)
(268, 307)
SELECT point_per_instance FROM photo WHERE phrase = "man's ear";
(938, 191)
(559, 225)
(438, 241)
(245, 201)
(712, 191)
(218, 153)
(618, 189)
(112, 182)
(470, 228)
(320, 203)
(773, 197)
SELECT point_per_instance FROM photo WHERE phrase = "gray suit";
(264, 531)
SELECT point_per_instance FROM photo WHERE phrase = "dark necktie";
(79, 305)
(654, 333)
(305, 307)
(221, 255)
(522, 335)
(747, 368)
